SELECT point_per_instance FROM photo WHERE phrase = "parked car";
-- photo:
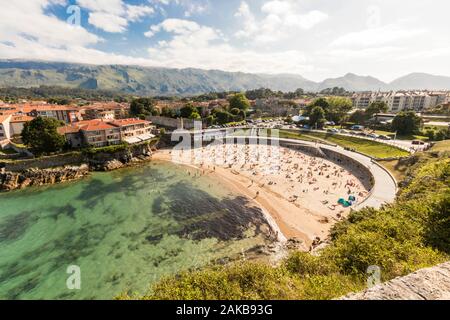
(384, 137)
(357, 128)
(418, 143)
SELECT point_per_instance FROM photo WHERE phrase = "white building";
(5, 130)
(401, 100)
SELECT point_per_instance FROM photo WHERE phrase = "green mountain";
(141, 80)
(183, 82)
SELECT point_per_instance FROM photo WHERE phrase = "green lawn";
(369, 147)
(441, 146)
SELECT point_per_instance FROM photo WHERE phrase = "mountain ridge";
(139, 80)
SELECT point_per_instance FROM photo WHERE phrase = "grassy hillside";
(141, 80)
(410, 234)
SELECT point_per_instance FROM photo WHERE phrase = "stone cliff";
(51, 170)
(37, 177)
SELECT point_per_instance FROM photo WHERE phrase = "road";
(406, 145)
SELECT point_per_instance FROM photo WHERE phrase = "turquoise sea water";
(124, 229)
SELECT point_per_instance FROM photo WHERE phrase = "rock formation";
(35, 177)
(426, 284)
(101, 161)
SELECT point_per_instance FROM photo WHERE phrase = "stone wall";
(72, 159)
(172, 123)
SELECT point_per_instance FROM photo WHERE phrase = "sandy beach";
(300, 192)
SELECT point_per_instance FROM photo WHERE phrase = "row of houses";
(68, 114)
(101, 133)
(401, 100)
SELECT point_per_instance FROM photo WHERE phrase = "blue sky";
(314, 38)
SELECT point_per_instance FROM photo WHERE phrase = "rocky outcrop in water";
(123, 158)
(37, 177)
(51, 170)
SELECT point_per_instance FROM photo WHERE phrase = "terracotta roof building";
(100, 133)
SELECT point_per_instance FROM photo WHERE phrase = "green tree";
(239, 101)
(42, 136)
(188, 110)
(223, 117)
(210, 120)
(376, 107)
(143, 107)
(406, 123)
(358, 117)
(320, 102)
(317, 118)
(167, 112)
(195, 116)
(338, 109)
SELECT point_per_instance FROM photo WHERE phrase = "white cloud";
(197, 46)
(135, 13)
(282, 19)
(377, 36)
(191, 7)
(114, 15)
(42, 29)
(108, 22)
(48, 38)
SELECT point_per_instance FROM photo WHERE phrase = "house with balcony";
(101, 133)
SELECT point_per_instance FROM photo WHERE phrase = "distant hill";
(421, 81)
(353, 82)
(164, 81)
(141, 80)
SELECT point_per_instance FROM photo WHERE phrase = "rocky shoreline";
(10, 181)
(17, 180)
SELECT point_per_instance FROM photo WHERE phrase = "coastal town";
(246, 152)
(100, 124)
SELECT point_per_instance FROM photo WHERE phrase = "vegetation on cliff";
(400, 238)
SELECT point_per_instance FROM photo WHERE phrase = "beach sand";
(298, 191)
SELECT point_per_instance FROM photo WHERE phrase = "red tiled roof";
(68, 129)
(98, 125)
(128, 122)
(93, 125)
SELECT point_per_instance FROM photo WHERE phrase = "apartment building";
(134, 130)
(67, 114)
(101, 133)
(106, 111)
(400, 100)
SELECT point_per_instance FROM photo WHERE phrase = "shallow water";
(125, 230)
